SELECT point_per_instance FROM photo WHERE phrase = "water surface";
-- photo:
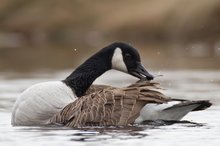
(198, 128)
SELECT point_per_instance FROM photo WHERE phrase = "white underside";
(158, 112)
(40, 102)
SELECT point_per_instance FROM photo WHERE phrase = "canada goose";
(105, 105)
(42, 101)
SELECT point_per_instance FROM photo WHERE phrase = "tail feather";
(175, 109)
(201, 104)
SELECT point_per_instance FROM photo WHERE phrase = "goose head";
(119, 56)
(126, 58)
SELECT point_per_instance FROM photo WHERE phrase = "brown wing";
(97, 88)
(110, 106)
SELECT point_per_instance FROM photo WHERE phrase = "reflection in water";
(126, 132)
(171, 122)
(100, 133)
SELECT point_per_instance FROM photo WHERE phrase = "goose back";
(103, 105)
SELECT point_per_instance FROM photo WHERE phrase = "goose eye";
(127, 55)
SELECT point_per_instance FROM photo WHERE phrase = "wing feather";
(106, 105)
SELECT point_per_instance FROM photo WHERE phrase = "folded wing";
(109, 106)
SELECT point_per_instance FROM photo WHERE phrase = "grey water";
(197, 128)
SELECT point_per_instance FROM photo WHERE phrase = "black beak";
(141, 73)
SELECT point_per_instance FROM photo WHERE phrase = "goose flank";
(106, 105)
(109, 106)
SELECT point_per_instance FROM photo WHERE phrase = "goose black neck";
(83, 77)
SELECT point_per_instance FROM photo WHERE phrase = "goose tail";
(191, 105)
(175, 109)
(204, 104)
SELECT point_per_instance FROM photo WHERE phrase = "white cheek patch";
(118, 62)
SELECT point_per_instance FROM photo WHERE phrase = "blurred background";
(55, 34)
(44, 40)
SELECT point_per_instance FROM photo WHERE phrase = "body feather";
(109, 106)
